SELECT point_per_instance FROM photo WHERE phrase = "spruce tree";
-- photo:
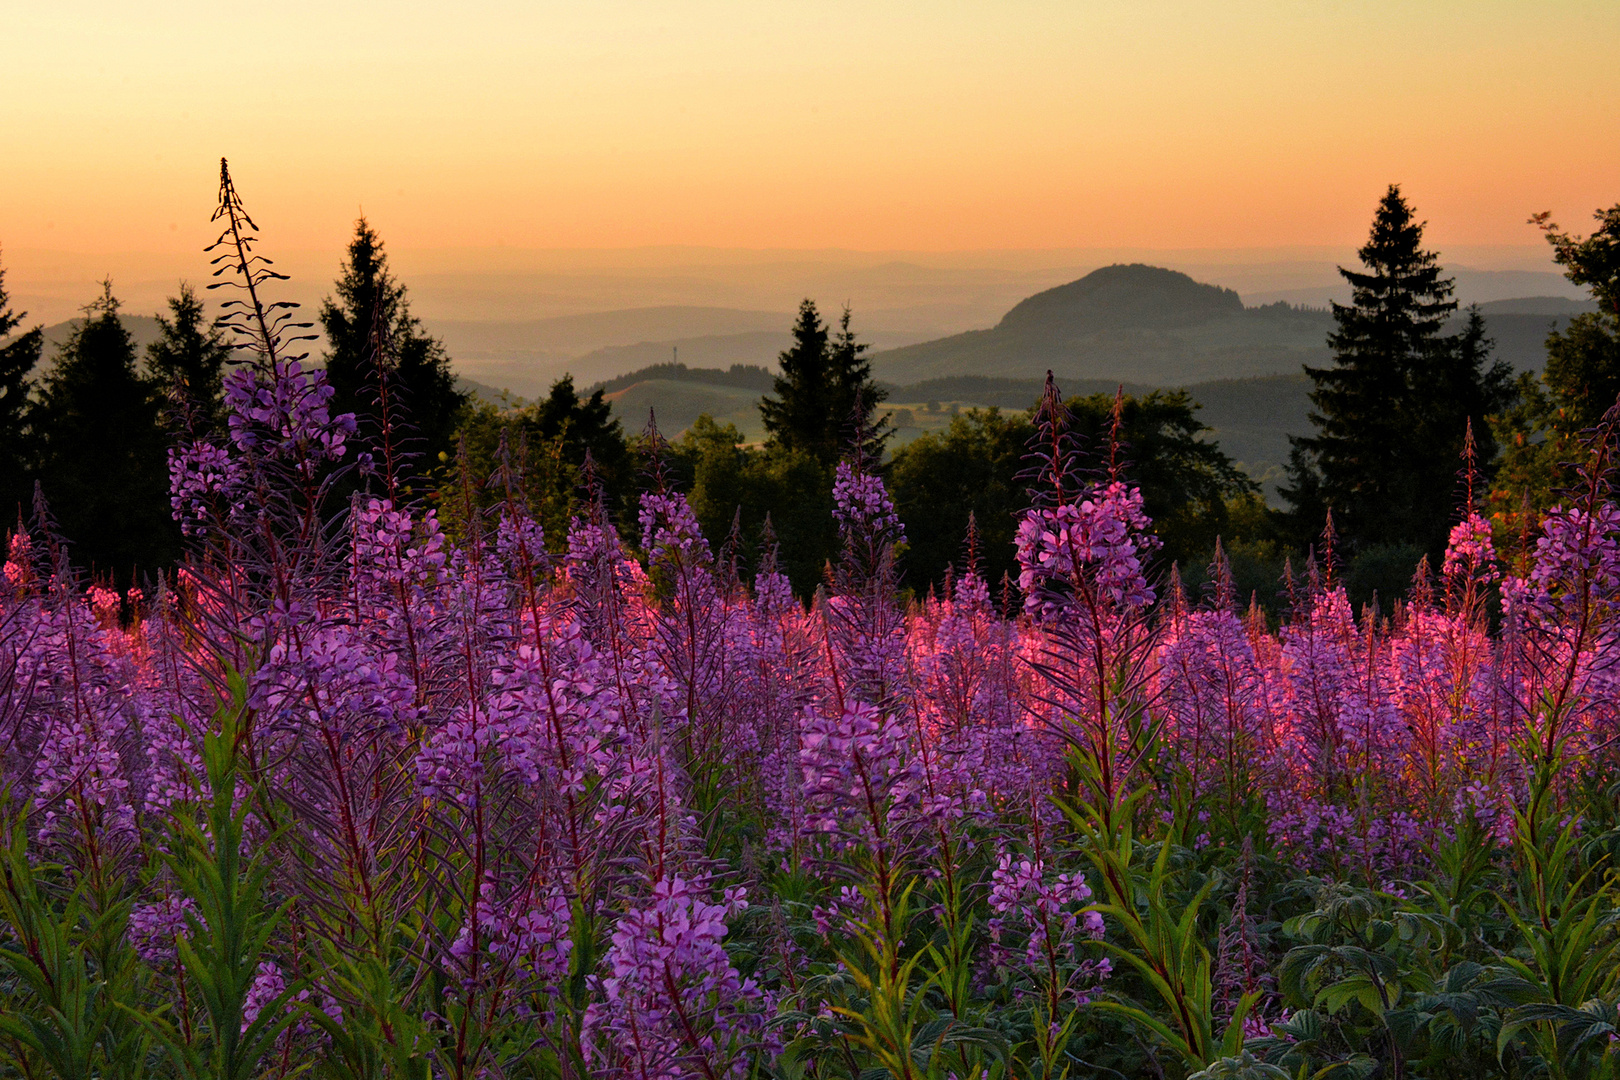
(370, 314)
(1459, 391)
(1392, 411)
(187, 363)
(824, 379)
(17, 358)
(102, 451)
(582, 426)
(796, 417)
(854, 392)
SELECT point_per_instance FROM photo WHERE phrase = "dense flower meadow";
(345, 795)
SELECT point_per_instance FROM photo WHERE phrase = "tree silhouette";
(825, 382)
(1392, 411)
(372, 336)
(188, 359)
(17, 359)
(102, 450)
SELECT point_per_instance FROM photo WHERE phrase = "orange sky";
(869, 125)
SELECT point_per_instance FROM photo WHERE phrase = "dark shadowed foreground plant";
(69, 974)
(230, 921)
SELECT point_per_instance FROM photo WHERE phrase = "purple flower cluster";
(673, 1005)
(1096, 546)
(285, 412)
(862, 505)
(154, 929)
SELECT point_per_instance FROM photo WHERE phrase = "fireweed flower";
(285, 412)
(862, 504)
(672, 1005)
(1470, 552)
(154, 928)
(1097, 541)
(1044, 911)
(861, 778)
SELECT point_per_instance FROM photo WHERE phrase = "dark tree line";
(90, 427)
(1392, 415)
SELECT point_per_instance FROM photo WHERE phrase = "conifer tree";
(102, 450)
(796, 417)
(824, 380)
(370, 319)
(855, 392)
(1392, 411)
(1458, 391)
(188, 359)
(17, 358)
(581, 427)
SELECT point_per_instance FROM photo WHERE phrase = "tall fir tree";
(1392, 412)
(1581, 380)
(855, 394)
(369, 319)
(102, 449)
(187, 363)
(1460, 390)
(796, 418)
(824, 382)
(17, 359)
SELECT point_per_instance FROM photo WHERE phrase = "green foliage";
(1580, 382)
(536, 455)
(1161, 944)
(970, 468)
(69, 975)
(233, 922)
(1381, 572)
(1190, 488)
(747, 487)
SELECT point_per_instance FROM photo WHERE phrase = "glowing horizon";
(852, 125)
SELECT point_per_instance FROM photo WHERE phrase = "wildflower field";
(348, 797)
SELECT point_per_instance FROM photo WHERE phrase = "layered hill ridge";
(1121, 297)
(1130, 322)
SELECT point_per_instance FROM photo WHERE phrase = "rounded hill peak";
(1120, 297)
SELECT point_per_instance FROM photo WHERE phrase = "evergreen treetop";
(188, 358)
(371, 336)
(1392, 411)
(824, 392)
(101, 451)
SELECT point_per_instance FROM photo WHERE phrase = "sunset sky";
(868, 125)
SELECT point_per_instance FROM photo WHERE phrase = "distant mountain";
(1132, 323)
(761, 347)
(1146, 324)
(143, 328)
(529, 356)
(1536, 305)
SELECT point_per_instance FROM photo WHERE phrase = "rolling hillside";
(1133, 323)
